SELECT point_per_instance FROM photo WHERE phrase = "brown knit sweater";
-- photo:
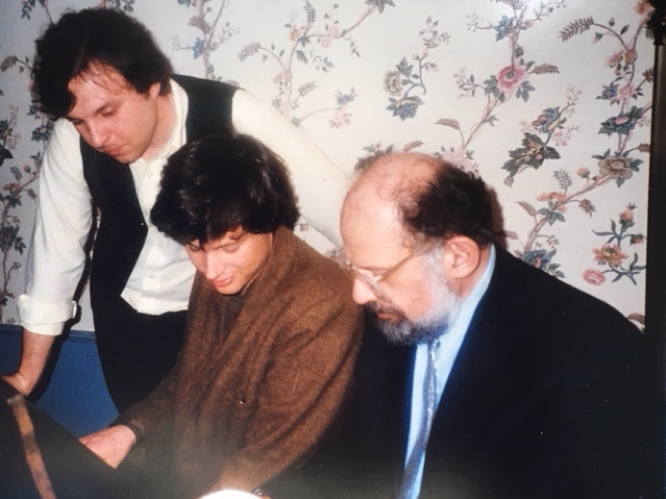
(248, 401)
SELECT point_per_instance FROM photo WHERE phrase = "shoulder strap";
(209, 105)
(121, 229)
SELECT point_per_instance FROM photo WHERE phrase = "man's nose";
(97, 135)
(361, 292)
(214, 268)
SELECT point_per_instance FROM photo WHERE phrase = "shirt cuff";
(134, 427)
(42, 317)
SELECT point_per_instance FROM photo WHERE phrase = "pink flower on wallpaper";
(609, 254)
(642, 7)
(630, 56)
(625, 92)
(340, 119)
(559, 198)
(615, 59)
(594, 277)
(285, 106)
(294, 33)
(509, 78)
(283, 76)
(332, 34)
(627, 215)
(583, 172)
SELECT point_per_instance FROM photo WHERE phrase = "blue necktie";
(409, 488)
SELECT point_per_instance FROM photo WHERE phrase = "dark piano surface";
(74, 471)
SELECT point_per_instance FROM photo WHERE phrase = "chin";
(411, 333)
(126, 158)
(122, 158)
(228, 290)
(232, 288)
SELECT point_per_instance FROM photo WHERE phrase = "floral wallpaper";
(548, 100)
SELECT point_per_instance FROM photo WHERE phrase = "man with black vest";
(120, 114)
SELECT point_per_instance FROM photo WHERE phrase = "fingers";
(19, 382)
(110, 444)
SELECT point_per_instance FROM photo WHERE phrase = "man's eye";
(231, 248)
(193, 248)
(108, 113)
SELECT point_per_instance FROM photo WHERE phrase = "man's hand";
(19, 382)
(111, 444)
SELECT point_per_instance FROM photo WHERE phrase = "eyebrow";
(233, 240)
(241, 234)
(371, 268)
(95, 113)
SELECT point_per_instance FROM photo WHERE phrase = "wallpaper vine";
(548, 100)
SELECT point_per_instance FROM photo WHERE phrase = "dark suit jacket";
(553, 394)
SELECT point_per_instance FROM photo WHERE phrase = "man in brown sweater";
(271, 340)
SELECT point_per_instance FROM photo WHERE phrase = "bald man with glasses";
(498, 380)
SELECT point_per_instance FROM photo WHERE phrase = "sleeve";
(302, 396)
(147, 417)
(319, 184)
(57, 254)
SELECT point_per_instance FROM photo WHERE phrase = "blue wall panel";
(73, 393)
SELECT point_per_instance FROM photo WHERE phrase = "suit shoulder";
(537, 292)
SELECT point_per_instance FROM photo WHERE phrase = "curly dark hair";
(452, 203)
(222, 181)
(97, 35)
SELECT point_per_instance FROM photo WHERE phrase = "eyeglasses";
(373, 281)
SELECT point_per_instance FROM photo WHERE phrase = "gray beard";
(436, 321)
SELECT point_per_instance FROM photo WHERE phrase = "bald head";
(397, 172)
(417, 197)
(373, 201)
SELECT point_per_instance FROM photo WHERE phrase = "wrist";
(23, 383)
(125, 435)
(131, 426)
(19, 382)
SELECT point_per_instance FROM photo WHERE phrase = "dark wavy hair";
(215, 184)
(452, 203)
(105, 36)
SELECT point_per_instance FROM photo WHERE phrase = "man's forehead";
(230, 236)
(368, 232)
(401, 167)
(101, 75)
(365, 210)
(94, 88)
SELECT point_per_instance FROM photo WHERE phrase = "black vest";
(122, 229)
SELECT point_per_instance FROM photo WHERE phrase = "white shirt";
(162, 277)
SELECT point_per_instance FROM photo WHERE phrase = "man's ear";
(462, 257)
(154, 90)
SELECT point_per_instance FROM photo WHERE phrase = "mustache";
(401, 331)
(379, 308)
(373, 306)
